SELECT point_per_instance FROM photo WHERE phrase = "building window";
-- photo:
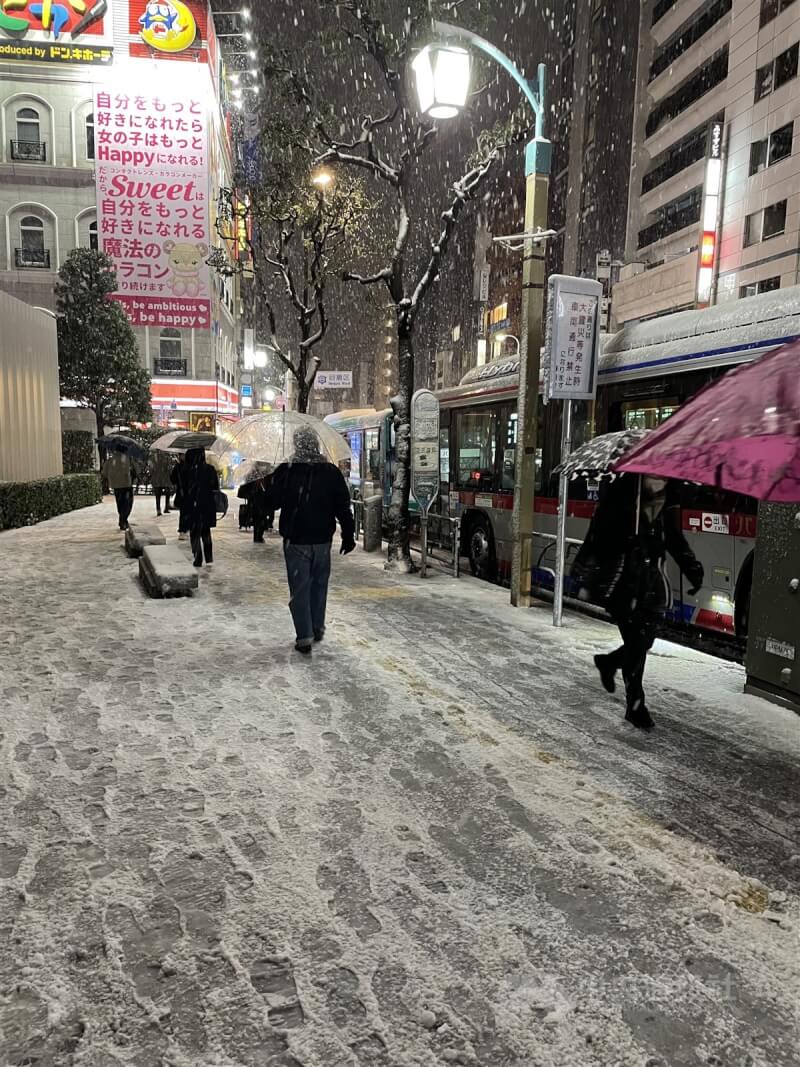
(688, 34)
(689, 91)
(675, 216)
(170, 345)
(761, 225)
(767, 285)
(771, 8)
(776, 73)
(661, 8)
(780, 144)
(28, 146)
(772, 149)
(93, 242)
(90, 136)
(31, 253)
(758, 155)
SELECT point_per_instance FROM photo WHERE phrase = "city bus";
(647, 371)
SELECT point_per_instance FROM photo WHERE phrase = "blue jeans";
(308, 568)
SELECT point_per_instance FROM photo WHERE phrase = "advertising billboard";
(69, 32)
(173, 29)
(151, 159)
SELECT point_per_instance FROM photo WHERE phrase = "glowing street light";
(503, 337)
(442, 72)
(322, 179)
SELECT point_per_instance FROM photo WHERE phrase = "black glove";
(347, 548)
(695, 574)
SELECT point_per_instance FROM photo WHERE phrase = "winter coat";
(161, 464)
(311, 496)
(117, 471)
(199, 491)
(623, 569)
(256, 495)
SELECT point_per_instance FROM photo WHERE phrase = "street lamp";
(503, 337)
(322, 179)
(442, 75)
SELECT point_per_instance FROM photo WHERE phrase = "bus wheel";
(482, 559)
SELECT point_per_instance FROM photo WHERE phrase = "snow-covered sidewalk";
(437, 842)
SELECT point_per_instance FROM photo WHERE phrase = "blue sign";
(246, 390)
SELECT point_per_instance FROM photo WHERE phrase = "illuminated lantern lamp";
(442, 72)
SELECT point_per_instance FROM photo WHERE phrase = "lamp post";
(503, 337)
(442, 73)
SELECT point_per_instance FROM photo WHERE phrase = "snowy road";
(437, 843)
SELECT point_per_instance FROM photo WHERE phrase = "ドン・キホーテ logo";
(168, 26)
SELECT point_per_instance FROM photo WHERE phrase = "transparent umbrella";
(270, 438)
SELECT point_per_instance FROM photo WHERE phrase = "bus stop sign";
(424, 448)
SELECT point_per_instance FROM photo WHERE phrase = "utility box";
(773, 645)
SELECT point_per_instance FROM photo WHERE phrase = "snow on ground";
(436, 843)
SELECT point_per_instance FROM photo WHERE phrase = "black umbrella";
(118, 442)
(183, 440)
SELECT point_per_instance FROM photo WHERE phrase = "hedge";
(26, 503)
(77, 447)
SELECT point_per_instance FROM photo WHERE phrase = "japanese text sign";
(151, 155)
(572, 341)
(424, 448)
(334, 379)
(61, 31)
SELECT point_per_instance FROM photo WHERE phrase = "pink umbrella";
(740, 433)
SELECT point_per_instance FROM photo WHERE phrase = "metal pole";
(457, 547)
(423, 519)
(563, 507)
(537, 184)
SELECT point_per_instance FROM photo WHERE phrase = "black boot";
(607, 672)
(639, 717)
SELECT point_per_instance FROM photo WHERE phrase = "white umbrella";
(270, 438)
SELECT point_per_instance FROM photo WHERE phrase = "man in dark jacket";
(311, 494)
(620, 564)
(201, 484)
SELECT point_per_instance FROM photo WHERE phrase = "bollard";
(372, 523)
(457, 547)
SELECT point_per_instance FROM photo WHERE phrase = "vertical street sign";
(572, 355)
(424, 459)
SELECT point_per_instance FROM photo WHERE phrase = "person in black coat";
(178, 479)
(621, 568)
(200, 504)
(312, 495)
(256, 494)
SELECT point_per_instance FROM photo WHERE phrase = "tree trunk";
(399, 555)
(100, 419)
(303, 392)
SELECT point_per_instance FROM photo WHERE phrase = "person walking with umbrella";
(255, 490)
(118, 472)
(620, 565)
(161, 464)
(312, 495)
(199, 508)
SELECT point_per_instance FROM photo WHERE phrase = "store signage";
(486, 275)
(167, 26)
(245, 390)
(334, 379)
(572, 340)
(424, 448)
(71, 31)
(151, 161)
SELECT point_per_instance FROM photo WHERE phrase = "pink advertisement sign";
(151, 158)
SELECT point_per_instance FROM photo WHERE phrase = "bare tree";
(293, 245)
(388, 144)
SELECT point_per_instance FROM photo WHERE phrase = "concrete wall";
(30, 421)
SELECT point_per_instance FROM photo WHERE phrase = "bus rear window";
(647, 414)
(477, 447)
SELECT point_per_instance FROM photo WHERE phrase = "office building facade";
(715, 166)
